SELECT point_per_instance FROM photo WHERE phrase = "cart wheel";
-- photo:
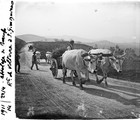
(54, 68)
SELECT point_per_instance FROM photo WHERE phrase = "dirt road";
(39, 95)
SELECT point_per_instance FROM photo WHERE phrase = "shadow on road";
(133, 90)
(111, 95)
(68, 79)
(43, 70)
(122, 89)
(108, 92)
(117, 88)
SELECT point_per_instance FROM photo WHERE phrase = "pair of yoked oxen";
(81, 61)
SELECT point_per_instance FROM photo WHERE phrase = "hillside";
(19, 44)
(33, 38)
(100, 43)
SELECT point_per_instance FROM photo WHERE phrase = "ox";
(106, 60)
(79, 61)
(49, 57)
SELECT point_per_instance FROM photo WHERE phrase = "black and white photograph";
(77, 59)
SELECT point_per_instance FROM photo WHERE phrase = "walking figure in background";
(17, 63)
(34, 61)
(71, 45)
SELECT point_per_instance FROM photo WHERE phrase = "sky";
(111, 20)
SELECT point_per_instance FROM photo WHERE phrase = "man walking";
(34, 61)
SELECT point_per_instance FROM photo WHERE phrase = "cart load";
(58, 52)
(103, 52)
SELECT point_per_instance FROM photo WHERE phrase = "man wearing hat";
(34, 61)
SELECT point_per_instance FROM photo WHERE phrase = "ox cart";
(56, 61)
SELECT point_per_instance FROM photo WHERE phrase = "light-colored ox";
(79, 61)
(106, 59)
